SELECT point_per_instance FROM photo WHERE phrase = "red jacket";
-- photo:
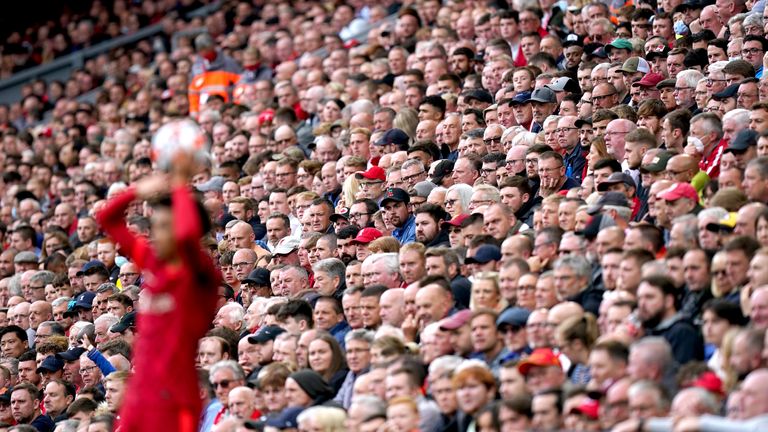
(180, 305)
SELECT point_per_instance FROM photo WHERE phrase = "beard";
(653, 320)
(346, 258)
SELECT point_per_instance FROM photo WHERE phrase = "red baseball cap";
(589, 408)
(680, 190)
(456, 222)
(709, 381)
(373, 173)
(366, 235)
(266, 116)
(649, 80)
(543, 357)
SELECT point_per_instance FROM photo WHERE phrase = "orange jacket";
(210, 83)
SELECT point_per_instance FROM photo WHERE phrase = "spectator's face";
(90, 373)
(55, 399)
(23, 406)
(12, 346)
(545, 413)
(222, 382)
(208, 353)
(115, 390)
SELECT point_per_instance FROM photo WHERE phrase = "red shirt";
(710, 163)
(180, 305)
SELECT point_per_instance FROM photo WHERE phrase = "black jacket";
(685, 339)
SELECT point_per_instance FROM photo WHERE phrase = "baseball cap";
(71, 354)
(726, 224)
(457, 221)
(618, 44)
(286, 246)
(373, 173)
(92, 267)
(573, 39)
(521, 98)
(743, 140)
(542, 357)
(444, 168)
(608, 198)
(564, 84)
(51, 364)
(663, 52)
(285, 419)
(595, 50)
(214, 184)
(423, 188)
(456, 320)
(25, 257)
(667, 83)
(395, 194)
(478, 94)
(635, 64)
(342, 214)
(265, 334)
(728, 92)
(658, 163)
(485, 254)
(84, 301)
(616, 178)
(514, 316)
(680, 190)
(393, 136)
(127, 321)
(544, 95)
(649, 80)
(589, 408)
(709, 381)
(366, 235)
(258, 276)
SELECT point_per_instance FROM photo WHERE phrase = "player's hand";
(183, 168)
(152, 186)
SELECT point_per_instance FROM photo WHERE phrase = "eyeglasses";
(243, 264)
(711, 81)
(679, 89)
(285, 174)
(596, 98)
(358, 215)
(88, 369)
(532, 161)
(369, 185)
(451, 202)
(513, 161)
(413, 176)
(492, 140)
(748, 51)
(486, 171)
(564, 130)
(722, 272)
(37, 287)
(549, 170)
(510, 329)
(222, 383)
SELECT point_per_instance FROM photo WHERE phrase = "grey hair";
(690, 228)
(237, 313)
(12, 364)
(55, 327)
(623, 212)
(753, 19)
(710, 121)
(107, 287)
(59, 301)
(359, 334)
(390, 259)
(107, 318)
(14, 285)
(372, 405)
(577, 263)
(690, 77)
(713, 213)
(44, 276)
(717, 66)
(464, 191)
(662, 401)
(739, 115)
(445, 363)
(660, 350)
(411, 162)
(333, 266)
(232, 365)
(705, 400)
(67, 426)
(300, 270)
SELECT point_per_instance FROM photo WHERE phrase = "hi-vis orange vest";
(210, 83)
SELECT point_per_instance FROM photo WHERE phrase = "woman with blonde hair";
(406, 120)
(386, 348)
(486, 293)
(322, 419)
(348, 192)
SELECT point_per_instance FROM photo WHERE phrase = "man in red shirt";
(178, 304)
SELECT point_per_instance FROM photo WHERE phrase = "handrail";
(61, 68)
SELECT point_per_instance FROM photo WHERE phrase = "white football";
(178, 136)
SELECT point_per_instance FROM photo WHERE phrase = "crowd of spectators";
(471, 216)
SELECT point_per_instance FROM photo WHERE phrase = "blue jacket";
(406, 233)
